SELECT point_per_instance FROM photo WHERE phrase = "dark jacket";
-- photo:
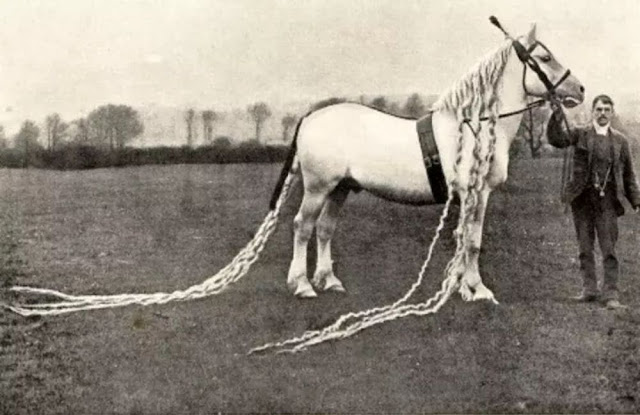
(583, 141)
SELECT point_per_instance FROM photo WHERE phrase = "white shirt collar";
(601, 130)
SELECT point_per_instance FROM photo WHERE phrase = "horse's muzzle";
(571, 92)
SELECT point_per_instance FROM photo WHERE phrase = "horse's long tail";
(287, 168)
(215, 284)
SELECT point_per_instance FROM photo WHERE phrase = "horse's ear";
(531, 36)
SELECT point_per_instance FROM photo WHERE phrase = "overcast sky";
(69, 56)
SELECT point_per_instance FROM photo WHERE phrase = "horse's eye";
(545, 58)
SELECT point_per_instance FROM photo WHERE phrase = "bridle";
(524, 54)
(528, 62)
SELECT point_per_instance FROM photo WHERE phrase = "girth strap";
(431, 158)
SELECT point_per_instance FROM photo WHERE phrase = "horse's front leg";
(471, 286)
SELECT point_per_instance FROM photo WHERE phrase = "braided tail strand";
(215, 284)
(351, 323)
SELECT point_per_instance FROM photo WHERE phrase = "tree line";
(108, 126)
(260, 112)
(102, 138)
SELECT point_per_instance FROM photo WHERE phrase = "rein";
(529, 108)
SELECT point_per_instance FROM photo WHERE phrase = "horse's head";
(544, 76)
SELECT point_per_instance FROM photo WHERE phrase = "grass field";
(161, 228)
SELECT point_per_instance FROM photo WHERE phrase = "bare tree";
(532, 128)
(414, 107)
(4, 143)
(288, 121)
(55, 129)
(208, 118)
(115, 125)
(190, 117)
(81, 133)
(259, 112)
(49, 125)
(380, 103)
(27, 140)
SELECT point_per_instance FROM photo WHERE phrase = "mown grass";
(160, 228)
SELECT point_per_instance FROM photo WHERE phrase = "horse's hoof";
(300, 287)
(490, 297)
(305, 292)
(483, 293)
(326, 281)
(465, 292)
(335, 286)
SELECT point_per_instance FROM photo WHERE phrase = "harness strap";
(530, 106)
(562, 78)
(431, 158)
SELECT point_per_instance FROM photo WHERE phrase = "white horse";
(349, 146)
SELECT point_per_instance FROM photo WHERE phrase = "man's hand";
(636, 209)
(556, 108)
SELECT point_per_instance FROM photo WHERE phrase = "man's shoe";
(615, 305)
(585, 298)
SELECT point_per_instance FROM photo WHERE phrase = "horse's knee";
(303, 228)
(324, 230)
(297, 222)
(473, 250)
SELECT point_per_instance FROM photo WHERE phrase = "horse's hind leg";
(324, 279)
(303, 225)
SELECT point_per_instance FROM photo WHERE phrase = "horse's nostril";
(581, 88)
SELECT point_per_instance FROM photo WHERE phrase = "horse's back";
(379, 151)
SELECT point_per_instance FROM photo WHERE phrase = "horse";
(350, 147)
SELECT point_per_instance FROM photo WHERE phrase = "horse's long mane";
(478, 86)
(475, 95)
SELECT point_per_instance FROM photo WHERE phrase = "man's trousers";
(595, 215)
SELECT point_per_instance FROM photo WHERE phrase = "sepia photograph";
(319, 206)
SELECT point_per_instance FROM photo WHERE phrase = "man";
(602, 177)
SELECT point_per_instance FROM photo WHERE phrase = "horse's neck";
(512, 96)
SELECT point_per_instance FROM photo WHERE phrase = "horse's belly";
(399, 176)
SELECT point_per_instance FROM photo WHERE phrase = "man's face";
(602, 113)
